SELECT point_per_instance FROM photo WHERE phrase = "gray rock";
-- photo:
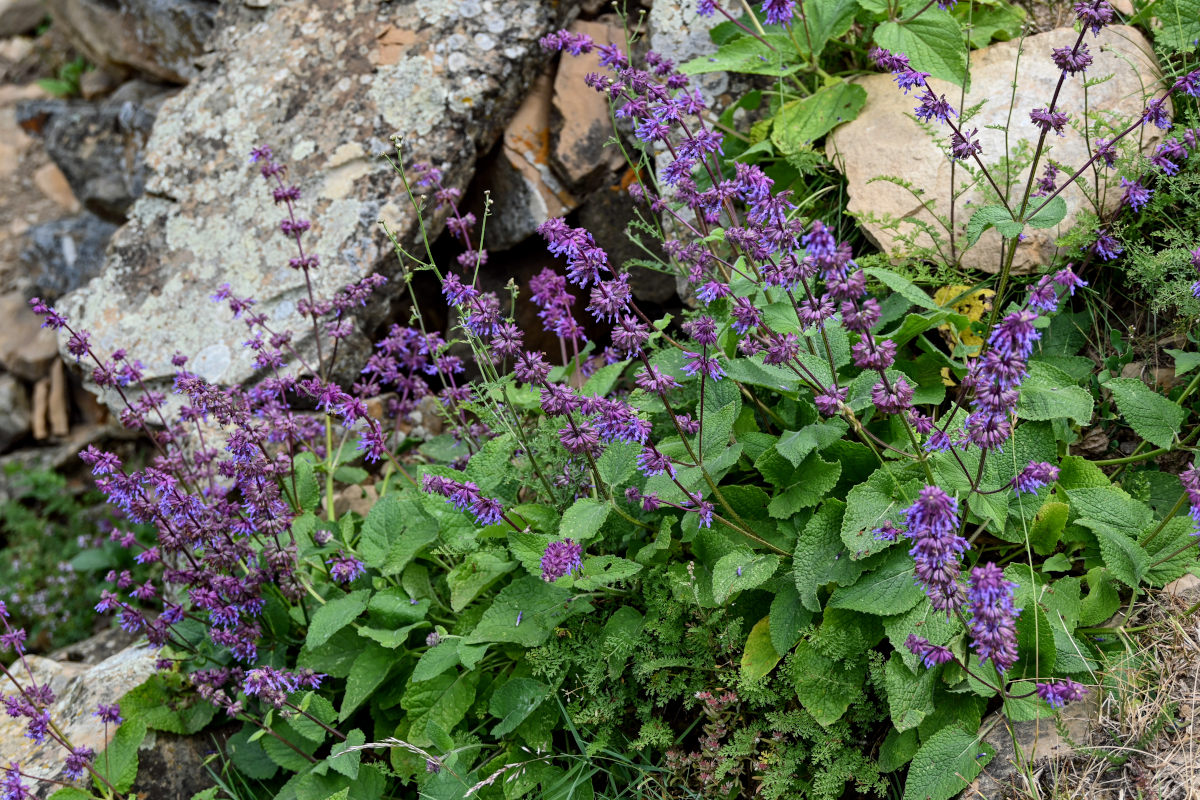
(326, 84)
(680, 34)
(20, 16)
(65, 254)
(14, 411)
(163, 39)
(886, 141)
(99, 147)
(79, 689)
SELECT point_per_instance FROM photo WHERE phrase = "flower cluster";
(932, 523)
(561, 558)
(465, 496)
(993, 617)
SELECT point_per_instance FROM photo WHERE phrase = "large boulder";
(159, 38)
(26, 348)
(62, 255)
(326, 84)
(886, 141)
(14, 411)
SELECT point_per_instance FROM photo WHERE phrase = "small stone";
(26, 348)
(20, 16)
(58, 407)
(52, 183)
(16, 49)
(41, 408)
(579, 152)
(96, 83)
(14, 412)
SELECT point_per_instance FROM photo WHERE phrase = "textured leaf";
(910, 696)
(618, 462)
(1180, 23)
(808, 485)
(820, 557)
(370, 669)
(868, 506)
(1173, 538)
(759, 656)
(827, 19)
(319, 707)
(118, 763)
(1185, 362)
(788, 618)
(1152, 416)
(722, 404)
(801, 122)
(335, 615)
(946, 764)
(394, 531)
(933, 43)
(478, 571)
(825, 687)
(603, 570)
(1102, 599)
(342, 758)
(249, 757)
(741, 570)
(165, 708)
(583, 519)
(903, 287)
(795, 446)
(886, 590)
(1111, 506)
(436, 660)
(747, 54)
(1049, 215)
(540, 606)
(922, 620)
(515, 700)
(1049, 393)
(308, 491)
(443, 701)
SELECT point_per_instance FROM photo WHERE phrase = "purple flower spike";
(993, 618)
(109, 713)
(1059, 693)
(778, 12)
(933, 526)
(561, 558)
(1136, 196)
(344, 568)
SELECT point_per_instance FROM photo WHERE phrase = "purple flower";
(1059, 693)
(778, 12)
(703, 330)
(1106, 151)
(993, 618)
(12, 788)
(1106, 246)
(1094, 14)
(906, 78)
(77, 762)
(1156, 112)
(1070, 60)
(887, 60)
(1034, 477)
(932, 523)
(1045, 184)
(531, 368)
(1014, 335)
(964, 145)
(930, 654)
(934, 107)
(829, 401)
(706, 8)
(1188, 84)
(887, 532)
(1049, 120)
(1135, 195)
(561, 558)
(653, 462)
(344, 568)
(109, 714)
(705, 511)
(696, 363)
(892, 400)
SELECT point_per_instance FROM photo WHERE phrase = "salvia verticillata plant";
(787, 544)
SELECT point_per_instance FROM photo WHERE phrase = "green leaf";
(316, 705)
(1152, 416)
(370, 670)
(161, 705)
(1048, 527)
(722, 404)
(1076, 472)
(933, 43)
(946, 764)
(1184, 362)
(808, 485)
(1111, 506)
(249, 757)
(827, 19)
(897, 750)
(748, 55)
(796, 445)
(1049, 215)
(922, 620)
(889, 589)
(1049, 393)
(869, 505)
(478, 571)
(342, 758)
(741, 570)
(307, 489)
(602, 380)
(515, 700)
(788, 618)
(443, 701)
(72, 793)
(760, 656)
(1124, 557)
(436, 660)
(394, 530)
(335, 615)
(621, 634)
(604, 570)
(618, 462)
(1102, 600)
(583, 519)
(801, 122)
(825, 687)
(902, 286)
(989, 216)
(1174, 538)
(1180, 21)
(910, 697)
(540, 606)
(820, 556)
